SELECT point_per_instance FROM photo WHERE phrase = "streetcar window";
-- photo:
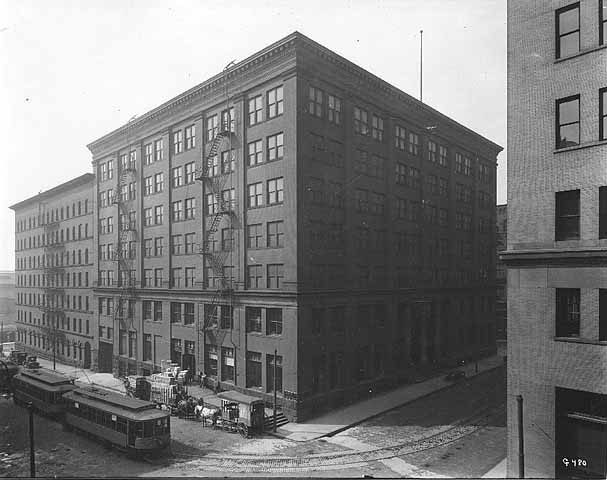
(121, 425)
(148, 429)
(138, 426)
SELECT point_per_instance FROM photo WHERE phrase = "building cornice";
(64, 187)
(291, 46)
(581, 257)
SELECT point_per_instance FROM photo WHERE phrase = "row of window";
(54, 238)
(55, 301)
(53, 215)
(58, 280)
(567, 214)
(567, 28)
(58, 259)
(65, 348)
(568, 119)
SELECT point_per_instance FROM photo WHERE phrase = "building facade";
(557, 237)
(54, 272)
(501, 233)
(8, 327)
(295, 223)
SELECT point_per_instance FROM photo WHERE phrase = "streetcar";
(132, 425)
(43, 388)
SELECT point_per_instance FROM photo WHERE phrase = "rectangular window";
(362, 200)
(361, 121)
(377, 128)
(275, 191)
(603, 112)
(190, 277)
(400, 137)
(567, 30)
(334, 109)
(567, 312)
(190, 137)
(275, 234)
(275, 102)
(442, 156)
(602, 212)
(148, 185)
(149, 154)
(158, 150)
(227, 364)
(158, 214)
(228, 162)
(158, 247)
(190, 239)
(190, 170)
(176, 277)
(227, 317)
(254, 276)
(432, 151)
(177, 177)
(177, 211)
(176, 244)
(256, 152)
(157, 311)
(255, 195)
(228, 120)
(212, 204)
(568, 121)
(567, 215)
(255, 110)
(275, 147)
(602, 315)
(254, 236)
(190, 208)
(212, 127)
(158, 277)
(159, 182)
(227, 239)
(253, 370)
(413, 143)
(315, 101)
(273, 321)
(275, 275)
(177, 142)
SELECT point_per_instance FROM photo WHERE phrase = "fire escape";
(52, 279)
(123, 252)
(214, 179)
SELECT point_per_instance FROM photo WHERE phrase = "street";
(459, 431)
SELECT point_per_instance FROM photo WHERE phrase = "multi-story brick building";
(557, 237)
(8, 327)
(54, 273)
(295, 214)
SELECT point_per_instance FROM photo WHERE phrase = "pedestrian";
(203, 379)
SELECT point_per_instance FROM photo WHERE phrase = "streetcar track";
(250, 462)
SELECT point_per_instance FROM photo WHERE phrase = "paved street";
(457, 431)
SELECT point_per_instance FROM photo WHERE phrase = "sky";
(73, 71)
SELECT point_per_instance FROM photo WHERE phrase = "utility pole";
(275, 352)
(421, 63)
(30, 409)
(521, 444)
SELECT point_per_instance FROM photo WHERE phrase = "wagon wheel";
(244, 430)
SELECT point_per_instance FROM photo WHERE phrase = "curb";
(375, 415)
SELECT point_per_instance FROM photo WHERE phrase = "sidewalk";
(344, 418)
(499, 471)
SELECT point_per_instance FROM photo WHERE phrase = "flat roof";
(242, 67)
(128, 407)
(235, 396)
(70, 184)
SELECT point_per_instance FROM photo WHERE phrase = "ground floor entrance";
(106, 352)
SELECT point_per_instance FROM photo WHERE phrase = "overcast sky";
(75, 70)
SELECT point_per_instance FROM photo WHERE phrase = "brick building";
(54, 273)
(557, 236)
(295, 204)
(8, 328)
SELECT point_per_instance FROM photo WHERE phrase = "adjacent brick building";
(500, 278)
(299, 204)
(54, 272)
(557, 236)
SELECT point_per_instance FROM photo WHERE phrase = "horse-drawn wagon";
(240, 413)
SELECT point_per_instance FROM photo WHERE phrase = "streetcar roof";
(46, 378)
(235, 396)
(117, 404)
